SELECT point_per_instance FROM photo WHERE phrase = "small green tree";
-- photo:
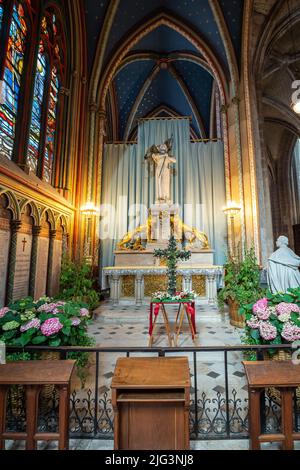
(242, 280)
(172, 254)
(77, 283)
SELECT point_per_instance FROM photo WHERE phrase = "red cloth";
(156, 312)
(192, 311)
(190, 308)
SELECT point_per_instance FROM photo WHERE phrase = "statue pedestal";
(145, 258)
(160, 229)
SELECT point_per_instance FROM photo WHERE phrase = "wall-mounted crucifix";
(24, 244)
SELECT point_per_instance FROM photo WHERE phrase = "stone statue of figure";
(162, 159)
(283, 268)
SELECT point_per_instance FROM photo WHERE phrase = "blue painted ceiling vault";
(164, 74)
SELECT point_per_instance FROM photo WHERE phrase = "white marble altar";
(112, 277)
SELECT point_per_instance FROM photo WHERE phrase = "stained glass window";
(51, 126)
(1, 12)
(37, 109)
(12, 79)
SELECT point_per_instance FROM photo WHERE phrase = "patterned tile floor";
(127, 326)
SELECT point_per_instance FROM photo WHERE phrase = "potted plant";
(274, 319)
(241, 286)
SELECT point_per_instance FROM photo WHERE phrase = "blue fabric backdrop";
(198, 184)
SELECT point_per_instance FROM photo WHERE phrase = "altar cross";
(172, 254)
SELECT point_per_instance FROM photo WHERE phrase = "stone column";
(212, 289)
(15, 227)
(50, 262)
(139, 295)
(36, 230)
(187, 282)
(115, 289)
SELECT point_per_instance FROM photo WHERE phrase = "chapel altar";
(136, 273)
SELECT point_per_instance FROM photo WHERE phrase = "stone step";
(107, 313)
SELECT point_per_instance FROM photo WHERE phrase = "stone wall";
(31, 247)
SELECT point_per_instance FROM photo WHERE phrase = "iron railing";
(220, 413)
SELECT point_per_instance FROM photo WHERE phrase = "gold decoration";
(133, 241)
(199, 285)
(128, 286)
(154, 283)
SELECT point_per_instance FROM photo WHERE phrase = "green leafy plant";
(77, 283)
(242, 280)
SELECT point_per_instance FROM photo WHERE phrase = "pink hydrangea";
(51, 327)
(35, 323)
(260, 305)
(50, 308)
(253, 322)
(285, 307)
(84, 312)
(267, 331)
(3, 311)
(75, 321)
(263, 314)
(290, 332)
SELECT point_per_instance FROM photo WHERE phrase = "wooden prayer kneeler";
(283, 375)
(151, 402)
(32, 375)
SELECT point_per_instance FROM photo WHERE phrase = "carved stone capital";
(224, 108)
(93, 107)
(53, 234)
(15, 225)
(64, 91)
(235, 100)
(36, 230)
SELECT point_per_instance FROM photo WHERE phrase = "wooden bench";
(283, 375)
(33, 375)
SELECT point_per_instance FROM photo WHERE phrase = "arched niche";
(23, 253)
(58, 248)
(42, 257)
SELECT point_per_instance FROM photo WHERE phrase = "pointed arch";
(13, 203)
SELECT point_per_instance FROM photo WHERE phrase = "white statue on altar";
(283, 268)
(162, 158)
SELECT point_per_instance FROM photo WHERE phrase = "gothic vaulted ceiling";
(163, 74)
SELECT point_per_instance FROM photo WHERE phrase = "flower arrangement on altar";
(274, 319)
(164, 296)
(44, 322)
